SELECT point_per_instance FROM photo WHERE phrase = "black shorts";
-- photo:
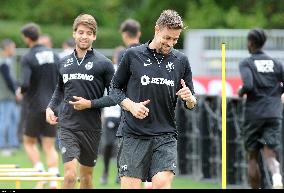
(257, 133)
(109, 130)
(35, 125)
(82, 145)
(143, 158)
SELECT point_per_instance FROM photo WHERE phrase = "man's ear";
(157, 29)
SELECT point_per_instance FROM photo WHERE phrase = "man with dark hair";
(83, 77)
(68, 47)
(130, 34)
(38, 81)
(262, 78)
(155, 74)
(9, 111)
(45, 40)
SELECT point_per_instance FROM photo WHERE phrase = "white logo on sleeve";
(264, 66)
(68, 62)
(45, 57)
(145, 80)
(149, 62)
(63, 150)
(170, 66)
(89, 65)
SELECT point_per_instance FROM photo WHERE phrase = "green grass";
(20, 158)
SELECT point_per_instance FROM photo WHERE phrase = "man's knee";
(70, 176)
(163, 180)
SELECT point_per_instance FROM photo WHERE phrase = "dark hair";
(32, 31)
(257, 37)
(130, 26)
(6, 42)
(170, 19)
(70, 42)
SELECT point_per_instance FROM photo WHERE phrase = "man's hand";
(138, 110)
(186, 95)
(50, 117)
(19, 95)
(80, 103)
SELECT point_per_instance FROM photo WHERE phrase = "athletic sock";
(39, 166)
(53, 184)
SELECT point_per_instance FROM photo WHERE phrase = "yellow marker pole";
(224, 141)
(18, 184)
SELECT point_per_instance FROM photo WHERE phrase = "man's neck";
(132, 41)
(32, 44)
(81, 53)
(153, 45)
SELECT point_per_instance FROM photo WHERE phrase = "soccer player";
(262, 77)
(152, 76)
(83, 77)
(45, 40)
(38, 81)
(130, 34)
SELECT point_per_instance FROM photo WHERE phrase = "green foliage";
(56, 16)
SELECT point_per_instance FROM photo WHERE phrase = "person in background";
(45, 40)
(68, 47)
(9, 111)
(130, 34)
(263, 79)
(38, 81)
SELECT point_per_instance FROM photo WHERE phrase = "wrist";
(89, 104)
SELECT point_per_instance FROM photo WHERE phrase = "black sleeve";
(120, 80)
(247, 79)
(120, 56)
(281, 74)
(58, 94)
(25, 74)
(105, 101)
(187, 78)
(4, 68)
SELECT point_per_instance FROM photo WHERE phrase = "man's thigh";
(134, 157)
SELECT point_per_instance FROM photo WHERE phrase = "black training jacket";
(87, 78)
(38, 77)
(143, 76)
(262, 78)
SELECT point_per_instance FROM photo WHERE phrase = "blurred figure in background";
(111, 120)
(130, 34)
(45, 40)
(68, 48)
(262, 77)
(9, 111)
(38, 81)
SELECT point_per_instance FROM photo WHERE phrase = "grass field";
(20, 158)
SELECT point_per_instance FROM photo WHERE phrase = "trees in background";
(56, 16)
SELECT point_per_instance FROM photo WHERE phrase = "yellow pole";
(18, 184)
(224, 141)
